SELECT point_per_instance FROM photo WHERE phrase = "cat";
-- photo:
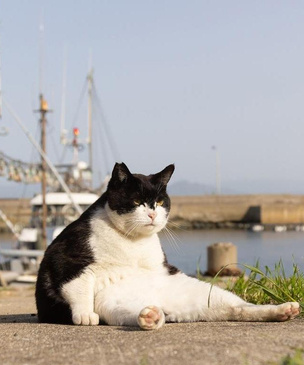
(108, 267)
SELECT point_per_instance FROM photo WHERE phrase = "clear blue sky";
(174, 77)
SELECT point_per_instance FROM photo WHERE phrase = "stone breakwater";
(237, 211)
(205, 211)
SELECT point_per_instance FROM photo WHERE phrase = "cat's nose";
(152, 214)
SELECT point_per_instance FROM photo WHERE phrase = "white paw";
(151, 318)
(86, 319)
(287, 311)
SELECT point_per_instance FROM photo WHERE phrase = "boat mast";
(45, 157)
(43, 110)
(90, 88)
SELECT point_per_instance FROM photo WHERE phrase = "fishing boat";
(66, 191)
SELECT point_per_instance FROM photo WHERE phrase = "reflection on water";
(189, 248)
(268, 247)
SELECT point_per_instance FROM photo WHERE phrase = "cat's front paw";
(151, 318)
(86, 319)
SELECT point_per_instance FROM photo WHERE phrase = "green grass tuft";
(271, 286)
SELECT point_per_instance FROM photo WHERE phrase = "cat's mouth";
(151, 225)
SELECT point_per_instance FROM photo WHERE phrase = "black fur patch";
(64, 260)
(172, 270)
(125, 189)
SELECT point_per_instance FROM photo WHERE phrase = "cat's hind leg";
(118, 312)
(151, 318)
(133, 302)
(186, 299)
(251, 312)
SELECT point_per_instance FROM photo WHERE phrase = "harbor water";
(188, 249)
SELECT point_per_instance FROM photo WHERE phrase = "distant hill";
(184, 187)
(263, 187)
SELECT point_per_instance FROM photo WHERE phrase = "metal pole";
(90, 82)
(218, 170)
(43, 110)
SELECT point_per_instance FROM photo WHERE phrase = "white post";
(222, 256)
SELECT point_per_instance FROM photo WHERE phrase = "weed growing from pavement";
(271, 286)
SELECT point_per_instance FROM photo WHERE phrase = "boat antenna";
(41, 52)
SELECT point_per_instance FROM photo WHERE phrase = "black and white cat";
(109, 266)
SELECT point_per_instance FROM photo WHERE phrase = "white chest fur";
(117, 257)
(112, 249)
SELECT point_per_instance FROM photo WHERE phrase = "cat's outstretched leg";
(251, 312)
(186, 299)
(151, 318)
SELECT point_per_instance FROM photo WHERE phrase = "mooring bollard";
(219, 255)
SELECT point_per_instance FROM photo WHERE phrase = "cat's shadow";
(18, 318)
(32, 318)
(129, 329)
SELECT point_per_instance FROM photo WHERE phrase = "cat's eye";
(161, 202)
(136, 202)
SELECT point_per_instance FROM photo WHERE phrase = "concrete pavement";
(24, 341)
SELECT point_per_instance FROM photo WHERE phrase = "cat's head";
(138, 204)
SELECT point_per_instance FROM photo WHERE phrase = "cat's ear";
(120, 172)
(164, 176)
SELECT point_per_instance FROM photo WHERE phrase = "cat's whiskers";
(172, 238)
(176, 225)
(131, 229)
(133, 224)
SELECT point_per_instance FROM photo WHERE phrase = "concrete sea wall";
(264, 209)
